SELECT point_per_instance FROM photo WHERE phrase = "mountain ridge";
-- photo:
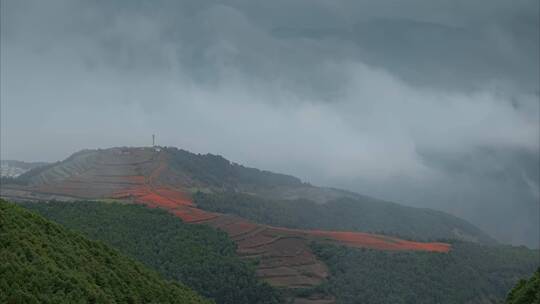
(107, 173)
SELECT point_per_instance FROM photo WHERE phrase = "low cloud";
(437, 112)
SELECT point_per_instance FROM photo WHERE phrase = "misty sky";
(427, 103)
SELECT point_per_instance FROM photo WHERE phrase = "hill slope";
(204, 259)
(42, 262)
(526, 291)
(120, 172)
(344, 214)
(469, 273)
(169, 178)
(200, 257)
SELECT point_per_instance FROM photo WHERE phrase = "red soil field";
(144, 192)
(180, 205)
(172, 200)
(360, 239)
(239, 228)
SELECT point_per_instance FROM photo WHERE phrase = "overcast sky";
(426, 103)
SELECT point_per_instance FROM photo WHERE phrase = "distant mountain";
(42, 262)
(91, 174)
(14, 168)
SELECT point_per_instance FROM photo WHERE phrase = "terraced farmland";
(134, 175)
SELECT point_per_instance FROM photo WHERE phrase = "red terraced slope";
(179, 204)
(360, 239)
(142, 190)
(136, 175)
(174, 201)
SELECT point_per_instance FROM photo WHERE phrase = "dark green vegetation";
(366, 215)
(526, 291)
(42, 262)
(201, 257)
(215, 171)
(470, 273)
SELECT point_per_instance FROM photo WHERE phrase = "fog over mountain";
(426, 103)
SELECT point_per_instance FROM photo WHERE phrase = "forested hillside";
(204, 259)
(43, 262)
(211, 170)
(366, 215)
(469, 273)
(526, 291)
(199, 256)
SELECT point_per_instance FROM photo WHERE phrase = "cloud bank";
(428, 104)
